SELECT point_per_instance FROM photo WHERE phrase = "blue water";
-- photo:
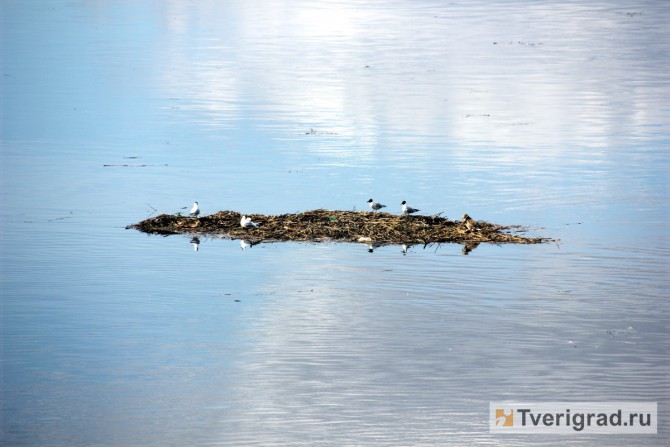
(552, 116)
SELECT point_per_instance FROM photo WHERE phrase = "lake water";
(552, 115)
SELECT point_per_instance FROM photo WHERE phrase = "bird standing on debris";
(246, 222)
(375, 206)
(469, 223)
(408, 209)
(195, 211)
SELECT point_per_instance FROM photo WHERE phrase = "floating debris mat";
(338, 226)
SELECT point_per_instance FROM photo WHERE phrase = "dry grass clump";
(343, 226)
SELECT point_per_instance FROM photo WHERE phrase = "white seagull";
(246, 222)
(195, 211)
(245, 243)
(408, 209)
(375, 206)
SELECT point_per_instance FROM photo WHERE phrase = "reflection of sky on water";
(420, 71)
(552, 115)
(429, 99)
(347, 348)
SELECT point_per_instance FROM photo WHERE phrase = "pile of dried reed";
(342, 226)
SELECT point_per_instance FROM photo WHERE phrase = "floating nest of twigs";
(338, 226)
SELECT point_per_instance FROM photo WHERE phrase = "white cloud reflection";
(556, 75)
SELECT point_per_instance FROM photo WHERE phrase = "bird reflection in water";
(372, 246)
(195, 240)
(469, 246)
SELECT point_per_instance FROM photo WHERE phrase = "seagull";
(246, 222)
(245, 243)
(195, 211)
(469, 223)
(408, 209)
(375, 206)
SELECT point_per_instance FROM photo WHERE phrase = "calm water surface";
(548, 114)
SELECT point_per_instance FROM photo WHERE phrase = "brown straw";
(341, 226)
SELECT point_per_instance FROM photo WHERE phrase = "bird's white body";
(246, 222)
(408, 209)
(195, 211)
(375, 206)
